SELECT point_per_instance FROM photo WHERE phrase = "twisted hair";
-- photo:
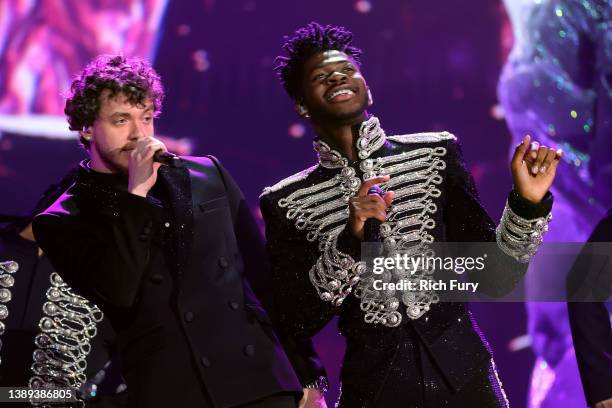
(306, 42)
(133, 77)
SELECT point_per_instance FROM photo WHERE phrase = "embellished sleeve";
(294, 262)
(518, 234)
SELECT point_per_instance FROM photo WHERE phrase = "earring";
(370, 99)
(86, 136)
(304, 111)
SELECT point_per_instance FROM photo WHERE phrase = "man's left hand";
(534, 168)
(313, 398)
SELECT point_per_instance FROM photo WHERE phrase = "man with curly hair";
(171, 255)
(404, 349)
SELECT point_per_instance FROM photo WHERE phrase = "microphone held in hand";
(371, 228)
(167, 158)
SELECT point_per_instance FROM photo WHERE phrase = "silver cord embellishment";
(68, 324)
(519, 237)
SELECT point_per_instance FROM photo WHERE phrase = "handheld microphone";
(371, 228)
(167, 158)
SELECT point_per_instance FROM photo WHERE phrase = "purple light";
(363, 6)
(297, 130)
(200, 60)
(183, 30)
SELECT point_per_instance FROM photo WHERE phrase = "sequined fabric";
(556, 87)
(410, 362)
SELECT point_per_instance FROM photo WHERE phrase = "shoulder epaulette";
(425, 137)
(289, 180)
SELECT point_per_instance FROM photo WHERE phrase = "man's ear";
(86, 133)
(301, 109)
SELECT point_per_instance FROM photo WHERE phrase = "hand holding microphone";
(167, 158)
(143, 165)
(369, 205)
(371, 228)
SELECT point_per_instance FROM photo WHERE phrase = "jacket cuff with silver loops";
(523, 225)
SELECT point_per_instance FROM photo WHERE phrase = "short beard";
(110, 163)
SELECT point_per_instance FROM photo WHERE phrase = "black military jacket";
(315, 258)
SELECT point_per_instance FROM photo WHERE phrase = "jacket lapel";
(177, 183)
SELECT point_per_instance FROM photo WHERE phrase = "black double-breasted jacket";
(176, 274)
(315, 257)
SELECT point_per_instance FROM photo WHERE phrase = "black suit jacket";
(590, 321)
(172, 278)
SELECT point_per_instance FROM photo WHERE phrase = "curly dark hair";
(306, 42)
(133, 77)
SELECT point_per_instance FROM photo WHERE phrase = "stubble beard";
(112, 160)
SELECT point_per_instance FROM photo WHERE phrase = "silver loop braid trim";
(68, 325)
(519, 237)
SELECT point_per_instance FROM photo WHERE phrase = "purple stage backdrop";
(431, 65)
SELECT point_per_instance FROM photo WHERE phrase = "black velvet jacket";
(447, 334)
(176, 273)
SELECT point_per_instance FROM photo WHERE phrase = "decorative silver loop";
(322, 211)
(5, 295)
(328, 157)
(335, 273)
(519, 237)
(68, 324)
(9, 267)
(7, 280)
(3, 312)
(371, 137)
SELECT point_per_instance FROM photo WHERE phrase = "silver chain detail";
(519, 237)
(414, 179)
(68, 324)
(371, 138)
(7, 280)
(322, 211)
(335, 273)
(318, 207)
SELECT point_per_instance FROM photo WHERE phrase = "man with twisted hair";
(402, 350)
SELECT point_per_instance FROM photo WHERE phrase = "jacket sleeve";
(292, 258)
(103, 251)
(517, 236)
(300, 352)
